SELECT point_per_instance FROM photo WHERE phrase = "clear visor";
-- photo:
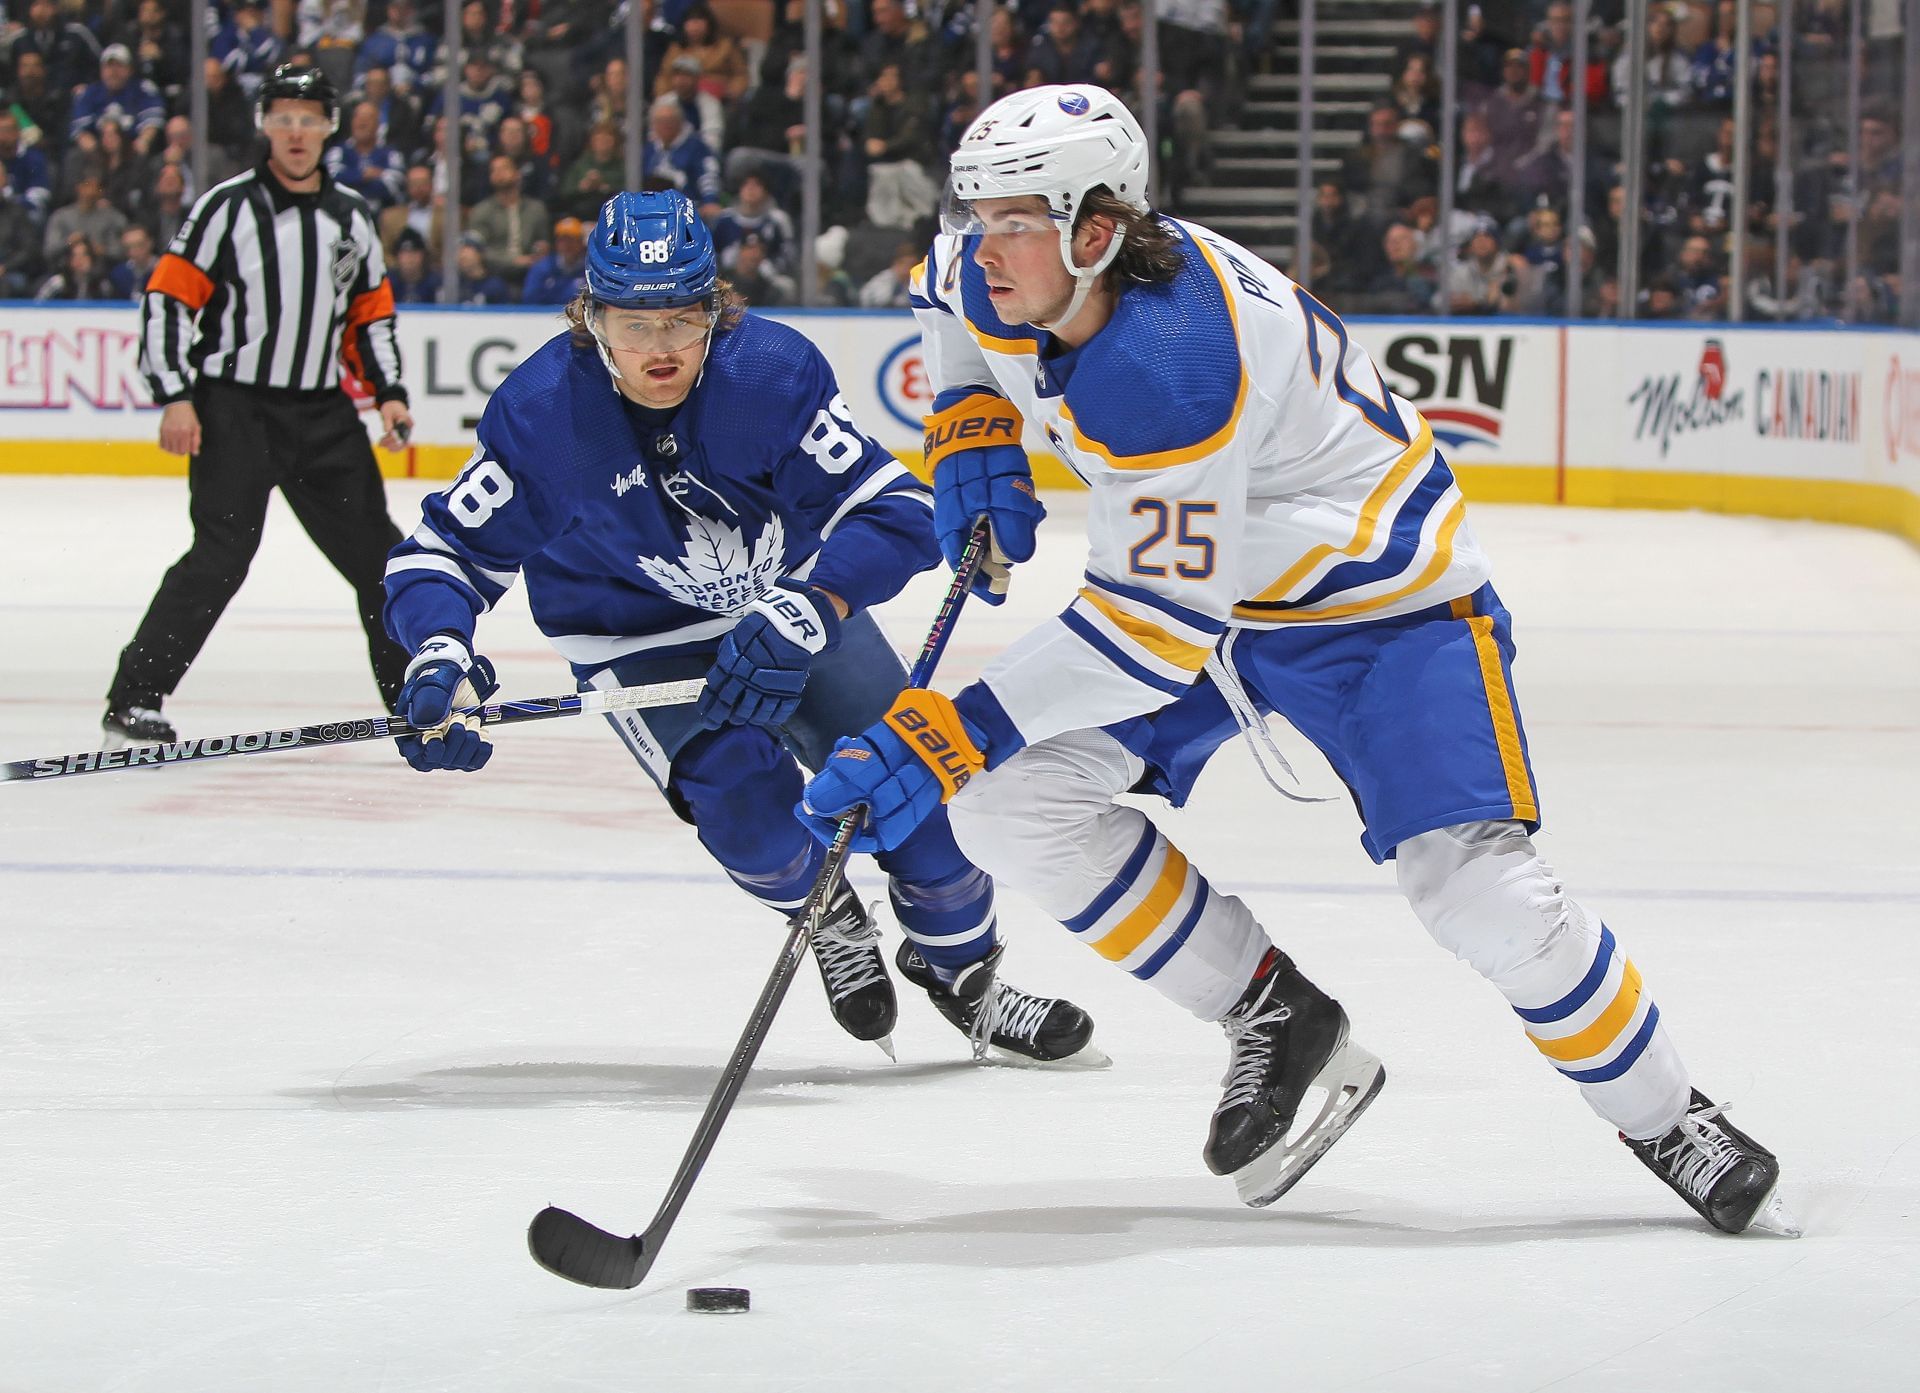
(1002, 217)
(651, 331)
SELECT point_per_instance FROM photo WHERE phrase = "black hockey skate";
(136, 725)
(1286, 1036)
(1034, 1027)
(859, 992)
(1727, 1176)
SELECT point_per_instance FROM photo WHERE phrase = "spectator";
(596, 176)
(19, 243)
(1405, 282)
(888, 288)
(414, 282)
(159, 50)
(1711, 71)
(420, 210)
(398, 113)
(79, 277)
(680, 79)
(609, 102)
(551, 37)
(177, 149)
(1599, 294)
(124, 176)
(332, 27)
(677, 156)
(1416, 95)
(401, 46)
(137, 260)
(1515, 114)
(89, 216)
(1697, 280)
(229, 113)
(1710, 186)
(1334, 225)
(833, 287)
(769, 133)
(536, 173)
(1549, 174)
(561, 274)
(118, 96)
(44, 106)
(477, 284)
(1060, 52)
(482, 99)
(1541, 257)
(755, 212)
(167, 209)
(896, 38)
(1550, 61)
(1879, 149)
(26, 167)
(1479, 185)
(1482, 279)
(1669, 73)
(248, 47)
(550, 134)
(1008, 42)
(68, 51)
(1383, 173)
(720, 68)
(511, 226)
(756, 282)
(1100, 25)
(1424, 41)
(360, 162)
(898, 148)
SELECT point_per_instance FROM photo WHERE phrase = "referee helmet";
(294, 83)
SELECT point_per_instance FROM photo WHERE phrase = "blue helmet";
(650, 251)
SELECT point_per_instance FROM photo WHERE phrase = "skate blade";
(1351, 1080)
(885, 1042)
(1775, 1218)
(1088, 1058)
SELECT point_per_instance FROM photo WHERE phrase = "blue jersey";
(638, 536)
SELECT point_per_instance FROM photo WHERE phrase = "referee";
(275, 276)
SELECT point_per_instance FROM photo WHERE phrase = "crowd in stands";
(1378, 246)
(96, 172)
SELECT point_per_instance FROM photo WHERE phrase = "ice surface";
(293, 1047)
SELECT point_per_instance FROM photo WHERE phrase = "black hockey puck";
(725, 1299)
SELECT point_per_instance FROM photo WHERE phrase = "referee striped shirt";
(268, 288)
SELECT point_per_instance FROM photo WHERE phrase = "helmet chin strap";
(1084, 277)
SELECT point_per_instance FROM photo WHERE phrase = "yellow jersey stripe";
(1369, 519)
(1169, 648)
(1150, 913)
(1436, 565)
(1213, 444)
(1606, 1028)
(1506, 727)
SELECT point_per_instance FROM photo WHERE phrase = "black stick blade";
(568, 1246)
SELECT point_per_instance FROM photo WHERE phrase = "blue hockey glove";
(763, 662)
(979, 470)
(900, 769)
(442, 678)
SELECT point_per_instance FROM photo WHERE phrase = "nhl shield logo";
(346, 263)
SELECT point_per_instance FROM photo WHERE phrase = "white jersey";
(1248, 466)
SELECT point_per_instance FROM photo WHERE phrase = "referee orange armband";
(933, 730)
(973, 421)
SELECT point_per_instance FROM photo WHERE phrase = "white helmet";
(1056, 143)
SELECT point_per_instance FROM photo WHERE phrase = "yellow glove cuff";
(933, 730)
(981, 419)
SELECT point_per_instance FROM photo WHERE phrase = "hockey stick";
(567, 1245)
(503, 713)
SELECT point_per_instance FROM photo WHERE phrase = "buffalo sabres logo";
(346, 263)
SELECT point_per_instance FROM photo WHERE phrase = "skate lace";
(1008, 1012)
(845, 947)
(1697, 1154)
(1251, 1054)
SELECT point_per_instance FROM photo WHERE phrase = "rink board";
(1788, 423)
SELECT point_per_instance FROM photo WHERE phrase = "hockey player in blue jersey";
(686, 493)
(1270, 530)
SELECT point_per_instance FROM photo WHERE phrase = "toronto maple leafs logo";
(718, 572)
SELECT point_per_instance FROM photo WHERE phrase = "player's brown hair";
(1148, 256)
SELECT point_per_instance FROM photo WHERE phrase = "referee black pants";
(312, 447)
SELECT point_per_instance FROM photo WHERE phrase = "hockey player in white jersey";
(685, 493)
(1271, 530)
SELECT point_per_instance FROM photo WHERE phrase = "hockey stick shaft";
(348, 732)
(567, 1245)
